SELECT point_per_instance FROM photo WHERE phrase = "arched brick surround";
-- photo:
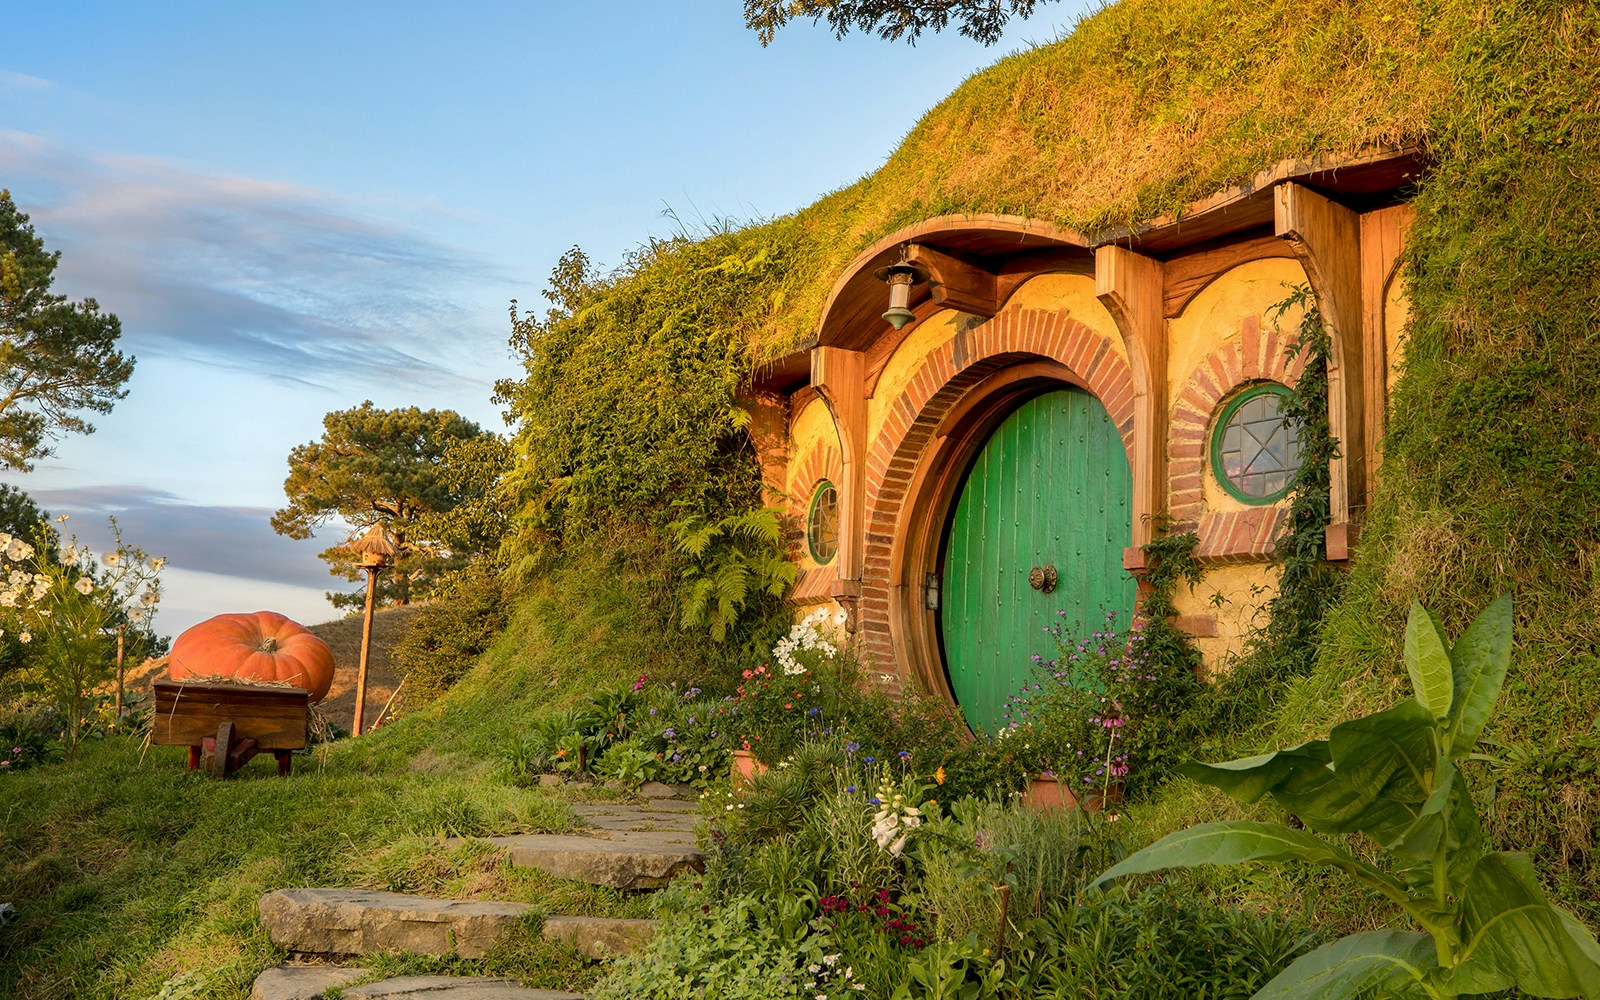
(1257, 354)
(942, 382)
(822, 461)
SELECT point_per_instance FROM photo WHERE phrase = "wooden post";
(366, 645)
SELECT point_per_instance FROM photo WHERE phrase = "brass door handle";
(1042, 578)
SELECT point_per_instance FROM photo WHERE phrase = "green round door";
(1050, 488)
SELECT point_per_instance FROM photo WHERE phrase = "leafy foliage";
(1394, 776)
(447, 637)
(982, 20)
(57, 358)
(382, 467)
(733, 562)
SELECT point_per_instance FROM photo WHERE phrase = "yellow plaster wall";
(810, 427)
(1072, 294)
(924, 338)
(1233, 596)
(1216, 316)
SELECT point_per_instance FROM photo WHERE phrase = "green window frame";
(822, 523)
(1254, 455)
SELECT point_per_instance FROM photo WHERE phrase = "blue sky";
(295, 207)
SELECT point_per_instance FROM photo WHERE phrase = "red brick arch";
(1254, 355)
(822, 461)
(944, 380)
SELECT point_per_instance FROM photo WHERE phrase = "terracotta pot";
(1045, 793)
(745, 767)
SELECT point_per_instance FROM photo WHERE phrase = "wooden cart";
(225, 724)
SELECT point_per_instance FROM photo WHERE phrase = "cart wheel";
(219, 757)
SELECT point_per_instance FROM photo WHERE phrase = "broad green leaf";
(1420, 839)
(1252, 777)
(1378, 780)
(1428, 663)
(1393, 960)
(1512, 935)
(1240, 841)
(1480, 660)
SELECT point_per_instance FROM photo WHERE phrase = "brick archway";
(1254, 355)
(949, 378)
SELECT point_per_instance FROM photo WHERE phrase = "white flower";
(69, 554)
(25, 638)
(61, 518)
(158, 562)
(10, 598)
(84, 585)
(148, 598)
(111, 558)
(41, 586)
(18, 550)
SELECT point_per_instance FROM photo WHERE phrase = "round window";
(822, 523)
(1254, 453)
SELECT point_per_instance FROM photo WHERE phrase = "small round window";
(1254, 454)
(822, 523)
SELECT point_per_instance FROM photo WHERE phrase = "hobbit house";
(995, 464)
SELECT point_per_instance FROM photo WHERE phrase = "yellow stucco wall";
(1234, 598)
(924, 338)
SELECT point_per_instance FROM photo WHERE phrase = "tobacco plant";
(1394, 776)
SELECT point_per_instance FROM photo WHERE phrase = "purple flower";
(669, 734)
(868, 759)
(850, 788)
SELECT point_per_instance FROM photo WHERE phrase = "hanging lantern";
(900, 276)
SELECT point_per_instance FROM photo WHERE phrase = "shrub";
(447, 636)
(1157, 945)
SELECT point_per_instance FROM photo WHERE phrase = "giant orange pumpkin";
(264, 646)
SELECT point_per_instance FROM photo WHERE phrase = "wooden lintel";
(1130, 286)
(1326, 238)
(839, 376)
(955, 283)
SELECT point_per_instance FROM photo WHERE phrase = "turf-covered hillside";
(1490, 477)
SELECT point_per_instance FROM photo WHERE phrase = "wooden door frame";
(918, 545)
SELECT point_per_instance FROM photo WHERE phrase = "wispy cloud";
(12, 80)
(247, 274)
(229, 541)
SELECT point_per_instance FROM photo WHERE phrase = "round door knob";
(1042, 578)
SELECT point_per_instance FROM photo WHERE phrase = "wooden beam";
(1189, 273)
(839, 376)
(955, 283)
(1383, 236)
(1131, 286)
(1326, 238)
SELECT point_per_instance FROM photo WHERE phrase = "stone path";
(311, 982)
(624, 845)
(638, 845)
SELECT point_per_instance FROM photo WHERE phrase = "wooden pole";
(366, 645)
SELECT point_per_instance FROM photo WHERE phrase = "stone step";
(645, 860)
(607, 818)
(301, 982)
(452, 988)
(358, 921)
(311, 982)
